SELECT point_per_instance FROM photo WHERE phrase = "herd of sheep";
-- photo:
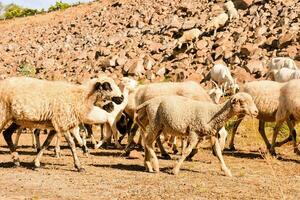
(183, 110)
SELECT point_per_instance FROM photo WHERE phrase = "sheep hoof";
(80, 169)
(297, 151)
(272, 152)
(16, 164)
(37, 164)
(232, 148)
(166, 156)
(228, 173)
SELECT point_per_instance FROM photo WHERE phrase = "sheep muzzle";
(118, 100)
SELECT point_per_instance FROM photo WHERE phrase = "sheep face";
(216, 94)
(129, 83)
(108, 90)
(242, 103)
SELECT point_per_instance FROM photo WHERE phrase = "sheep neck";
(223, 113)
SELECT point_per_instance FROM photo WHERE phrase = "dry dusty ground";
(113, 177)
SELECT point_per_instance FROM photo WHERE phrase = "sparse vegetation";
(13, 10)
(59, 5)
(26, 69)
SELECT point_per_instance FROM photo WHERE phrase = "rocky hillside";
(140, 38)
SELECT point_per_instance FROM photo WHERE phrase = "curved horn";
(215, 84)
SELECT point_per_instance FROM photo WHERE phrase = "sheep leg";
(234, 129)
(218, 151)
(174, 145)
(57, 146)
(81, 142)
(131, 139)
(115, 134)
(261, 130)
(7, 136)
(276, 130)
(19, 132)
(288, 139)
(36, 134)
(193, 137)
(291, 125)
(106, 136)
(90, 133)
(163, 152)
(149, 144)
(47, 142)
(71, 143)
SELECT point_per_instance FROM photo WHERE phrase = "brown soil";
(110, 176)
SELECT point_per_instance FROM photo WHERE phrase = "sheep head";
(216, 93)
(129, 83)
(106, 90)
(242, 103)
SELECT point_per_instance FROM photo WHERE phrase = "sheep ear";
(235, 100)
(106, 86)
(109, 107)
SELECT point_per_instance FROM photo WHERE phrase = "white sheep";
(143, 93)
(111, 118)
(288, 110)
(216, 93)
(188, 36)
(217, 22)
(186, 117)
(266, 98)
(277, 63)
(56, 105)
(141, 117)
(221, 74)
(232, 11)
(286, 74)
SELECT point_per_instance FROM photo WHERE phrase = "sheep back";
(266, 97)
(179, 114)
(289, 101)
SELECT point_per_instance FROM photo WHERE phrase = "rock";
(201, 44)
(286, 39)
(134, 154)
(242, 4)
(292, 51)
(161, 72)
(248, 49)
(241, 75)
(254, 66)
(189, 24)
(195, 77)
(148, 62)
(137, 67)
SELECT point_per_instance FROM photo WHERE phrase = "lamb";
(233, 13)
(143, 93)
(266, 98)
(217, 22)
(151, 106)
(286, 74)
(56, 105)
(221, 74)
(182, 116)
(188, 36)
(288, 110)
